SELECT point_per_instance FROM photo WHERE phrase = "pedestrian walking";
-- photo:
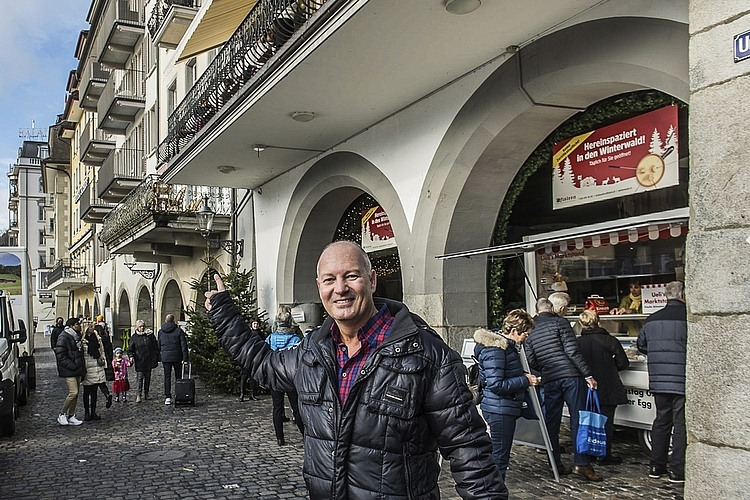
(95, 379)
(247, 383)
(173, 351)
(663, 338)
(71, 367)
(56, 331)
(379, 391)
(144, 351)
(122, 385)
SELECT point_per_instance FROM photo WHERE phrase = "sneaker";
(109, 401)
(657, 472)
(62, 419)
(676, 478)
(72, 420)
(168, 401)
(138, 398)
(117, 399)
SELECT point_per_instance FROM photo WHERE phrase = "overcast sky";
(38, 38)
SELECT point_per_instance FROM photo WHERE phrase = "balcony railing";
(122, 98)
(122, 29)
(268, 26)
(65, 269)
(93, 79)
(91, 208)
(120, 172)
(154, 197)
(95, 144)
(159, 14)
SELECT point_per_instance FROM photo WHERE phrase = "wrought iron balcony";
(121, 100)
(121, 172)
(93, 80)
(158, 219)
(170, 20)
(93, 209)
(268, 26)
(95, 145)
(121, 30)
(68, 274)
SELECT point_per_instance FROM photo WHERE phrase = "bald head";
(344, 244)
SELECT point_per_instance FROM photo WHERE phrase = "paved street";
(223, 449)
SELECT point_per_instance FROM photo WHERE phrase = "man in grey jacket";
(552, 349)
(379, 392)
(664, 338)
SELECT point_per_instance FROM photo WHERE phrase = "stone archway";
(123, 320)
(171, 301)
(144, 310)
(501, 124)
(86, 310)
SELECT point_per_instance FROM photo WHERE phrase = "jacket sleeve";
(272, 369)
(642, 341)
(461, 433)
(65, 357)
(570, 346)
(621, 359)
(494, 361)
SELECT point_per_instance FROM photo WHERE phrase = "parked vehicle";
(14, 390)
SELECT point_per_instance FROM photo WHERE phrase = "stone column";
(718, 255)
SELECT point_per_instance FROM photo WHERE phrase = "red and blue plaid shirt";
(370, 336)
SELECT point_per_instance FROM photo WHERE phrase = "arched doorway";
(79, 309)
(171, 301)
(87, 310)
(123, 321)
(97, 310)
(144, 310)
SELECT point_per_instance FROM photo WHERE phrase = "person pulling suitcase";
(173, 353)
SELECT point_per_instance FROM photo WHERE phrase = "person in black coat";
(56, 331)
(71, 367)
(144, 350)
(173, 352)
(503, 380)
(606, 357)
(246, 379)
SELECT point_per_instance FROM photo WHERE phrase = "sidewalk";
(222, 449)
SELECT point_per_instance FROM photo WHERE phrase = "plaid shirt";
(371, 335)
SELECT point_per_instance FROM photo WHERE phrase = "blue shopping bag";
(592, 436)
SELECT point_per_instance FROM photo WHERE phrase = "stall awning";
(219, 21)
(670, 224)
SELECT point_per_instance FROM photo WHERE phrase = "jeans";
(278, 412)
(143, 380)
(69, 406)
(90, 398)
(571, 391)
(502, 428)
(669, 423)
(168, 367)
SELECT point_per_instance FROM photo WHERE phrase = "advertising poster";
(632, 156)
(377, 233)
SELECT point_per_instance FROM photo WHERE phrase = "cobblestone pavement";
(224, 449)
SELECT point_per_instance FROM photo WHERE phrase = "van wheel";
(644, 437)
(8, 422)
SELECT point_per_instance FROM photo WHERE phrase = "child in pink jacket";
(122, 384)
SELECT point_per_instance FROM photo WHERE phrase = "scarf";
(635, 302)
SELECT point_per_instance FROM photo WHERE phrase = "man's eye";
(328, 281)
(352, 277)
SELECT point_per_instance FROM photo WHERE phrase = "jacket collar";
(491, 339)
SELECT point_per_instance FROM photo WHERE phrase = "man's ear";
(373, 280)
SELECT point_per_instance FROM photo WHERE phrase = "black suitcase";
(184, 388)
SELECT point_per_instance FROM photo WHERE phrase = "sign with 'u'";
(741, 46)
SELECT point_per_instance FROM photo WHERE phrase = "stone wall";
(718, 255)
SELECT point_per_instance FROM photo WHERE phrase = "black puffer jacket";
(410, 399)
(664, 338)
(500, 373)
(173, 346)
(606, 357)
(70, 362)
(144, 349)
(552, 349)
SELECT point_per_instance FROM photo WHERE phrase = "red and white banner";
(377, 233)
(629, 157)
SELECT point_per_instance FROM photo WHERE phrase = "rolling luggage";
(184, 388)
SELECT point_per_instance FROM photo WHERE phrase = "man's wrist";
(589, 377)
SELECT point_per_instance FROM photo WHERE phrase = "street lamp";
(205, 219)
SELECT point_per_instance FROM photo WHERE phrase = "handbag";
(597, 304)
(109, 373)
(101, 361)
(591, 438)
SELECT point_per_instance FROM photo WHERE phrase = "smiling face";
(346, 286)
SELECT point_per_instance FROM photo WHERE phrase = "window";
(52, 255)
(41, 212)
(153, 129)
(42, 259)
(41, 184)
(171, 97)
(190, 74)
(51, 225)
(41, 236)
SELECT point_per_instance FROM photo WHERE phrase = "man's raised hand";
(219, 288)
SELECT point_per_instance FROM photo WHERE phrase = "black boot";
(242, 397)
(252, 396)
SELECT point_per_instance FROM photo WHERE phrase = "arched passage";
(320, 199)
(502, 123)
(144, 309)
(87, 310)
(123, 320)
(171, 301)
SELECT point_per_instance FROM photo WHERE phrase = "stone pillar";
(718, 255)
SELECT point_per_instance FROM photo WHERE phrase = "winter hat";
(117, 350)
(100, 318)
(73, 321)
